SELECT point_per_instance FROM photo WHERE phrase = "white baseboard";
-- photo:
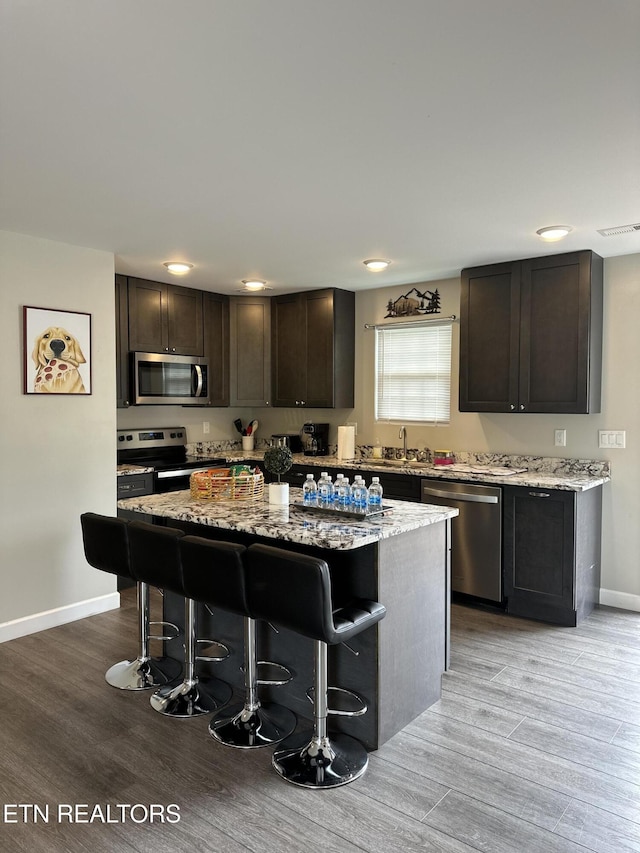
(60, 616)
(624, 600)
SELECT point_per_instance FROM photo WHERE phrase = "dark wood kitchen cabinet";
(250, 354)
(531, 335)
(122, 344)
(312, 349)
(216, 346)
(165, 318)
(552, 543)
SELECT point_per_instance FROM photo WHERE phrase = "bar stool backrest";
(155, 555)
(106, 543)
(292, 590)
(213, 572)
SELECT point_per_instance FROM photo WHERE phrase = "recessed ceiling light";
(178, 267)
(553, 232)
(376, 264)
(255, 284)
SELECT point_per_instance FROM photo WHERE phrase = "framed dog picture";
(57, 351)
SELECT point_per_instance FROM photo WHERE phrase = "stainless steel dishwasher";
(476, 535)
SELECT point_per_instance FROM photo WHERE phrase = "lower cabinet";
(551, 558)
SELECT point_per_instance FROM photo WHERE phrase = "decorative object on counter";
(278, 460)
(414, 303)
(376, 450)
(346, 442)
(60, 361)
(237, 483)
(443, 457)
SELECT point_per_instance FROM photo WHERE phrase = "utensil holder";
(247, 442)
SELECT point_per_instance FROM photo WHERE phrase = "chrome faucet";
(403, 435)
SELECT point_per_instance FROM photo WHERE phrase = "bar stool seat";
(106, 547)
(294, 591)
(155, 558)
(214, 572)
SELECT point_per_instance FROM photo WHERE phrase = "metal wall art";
(414, 303)
(57, 351)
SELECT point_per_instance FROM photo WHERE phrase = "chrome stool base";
(320, 762)
(191, 698)
(246, 728)
(140, 674)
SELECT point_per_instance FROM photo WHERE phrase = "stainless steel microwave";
(175, 380)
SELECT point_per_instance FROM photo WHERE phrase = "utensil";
(254, 425)
(248, 430)
(238, 425)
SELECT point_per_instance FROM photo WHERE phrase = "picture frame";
(56, 351)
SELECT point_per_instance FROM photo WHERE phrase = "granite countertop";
(288, 523)
(574, 475)
(124, 470)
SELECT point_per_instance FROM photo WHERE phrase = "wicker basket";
(223, 484)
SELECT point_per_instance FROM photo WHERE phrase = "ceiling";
(291, 139)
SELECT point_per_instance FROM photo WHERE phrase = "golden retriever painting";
(56, 351)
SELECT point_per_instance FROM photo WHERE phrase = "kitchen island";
(400, 559)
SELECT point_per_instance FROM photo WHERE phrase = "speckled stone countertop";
(542, 472)
(123, 470)
(288, 523)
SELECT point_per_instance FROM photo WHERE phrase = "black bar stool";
(106, 547)
(214, 572)
(155, 558)
(294, 590)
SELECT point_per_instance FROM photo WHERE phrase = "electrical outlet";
(354, 425)
(205, 427)
(560, 438)
(612, 438)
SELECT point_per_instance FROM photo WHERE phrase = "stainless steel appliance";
(177, 380)
(315, 439)
(291, 440)
(164, 450)
(476, 535)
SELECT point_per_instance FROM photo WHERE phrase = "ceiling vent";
(620, 229)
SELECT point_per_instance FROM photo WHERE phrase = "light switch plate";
(560, 438)
(612, 439)
(205, 427)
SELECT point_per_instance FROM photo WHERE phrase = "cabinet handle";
(539, 494)
(125, 402)
(173, 349)
(512, 406)
(522, 407)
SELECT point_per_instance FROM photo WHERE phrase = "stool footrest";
(174, 631)
(343, 698)
(280, 674)
(214, 658)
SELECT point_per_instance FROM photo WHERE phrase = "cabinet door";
(216, 325)
(147, 316)
(250, 353)
(560, 336)
(287, 343)
(489, 336)
(539, 553)
(122, 343)
(317, 348)
(184, 321)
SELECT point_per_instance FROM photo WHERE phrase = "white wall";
(534, 434)
(58, 456)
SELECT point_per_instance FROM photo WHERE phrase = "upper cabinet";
(216, 346)
(122, 344)
(531, 335)
(250, 353)
(165, 318)
(313, 349)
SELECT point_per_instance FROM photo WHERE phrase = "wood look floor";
(534, 748)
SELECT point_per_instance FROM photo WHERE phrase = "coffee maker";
(315, 439)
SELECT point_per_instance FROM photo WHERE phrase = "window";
(413, 373)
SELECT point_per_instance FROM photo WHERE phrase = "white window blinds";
(413, 373)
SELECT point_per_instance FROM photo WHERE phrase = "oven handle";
(182, 472)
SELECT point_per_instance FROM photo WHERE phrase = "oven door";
(175, 380)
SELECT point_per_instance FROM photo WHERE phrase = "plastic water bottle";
(375, 492)
(325, 488)
(336, 487)
(359, 493)
(309, 490)
(344, 492)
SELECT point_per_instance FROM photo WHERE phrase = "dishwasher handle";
(460, 496)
